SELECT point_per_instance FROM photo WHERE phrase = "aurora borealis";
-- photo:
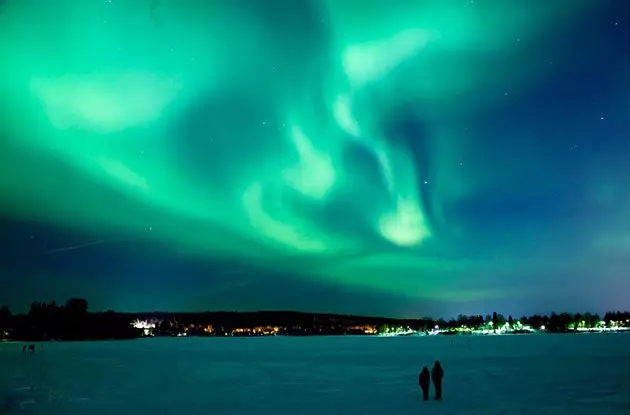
(392, 157)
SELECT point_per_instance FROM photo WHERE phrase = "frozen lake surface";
(534, 374)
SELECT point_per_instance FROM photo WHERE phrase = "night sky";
(381, 157)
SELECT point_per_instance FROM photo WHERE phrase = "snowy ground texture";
(533, 374)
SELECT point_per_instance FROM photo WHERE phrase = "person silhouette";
(424, 380)
(437, 374)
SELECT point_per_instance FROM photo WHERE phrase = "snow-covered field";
(533, 374)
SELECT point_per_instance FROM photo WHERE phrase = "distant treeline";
(73, 321)
(554, 322)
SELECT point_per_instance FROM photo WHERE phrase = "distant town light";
(144, 325)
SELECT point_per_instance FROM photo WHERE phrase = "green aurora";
(269, 132)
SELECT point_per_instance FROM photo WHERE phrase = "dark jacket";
(424, 379)
(437, 373)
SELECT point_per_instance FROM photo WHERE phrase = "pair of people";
(436, 375)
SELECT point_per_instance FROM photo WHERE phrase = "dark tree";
(510, 321)
(77, 306)
(559, 323)
(469, 321)
(75, 318)
(590, 320)
(5, 319)
(577, 319)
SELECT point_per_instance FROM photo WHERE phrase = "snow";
(531, 374)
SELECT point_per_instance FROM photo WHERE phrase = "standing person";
(424, 380)
(436, 375)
